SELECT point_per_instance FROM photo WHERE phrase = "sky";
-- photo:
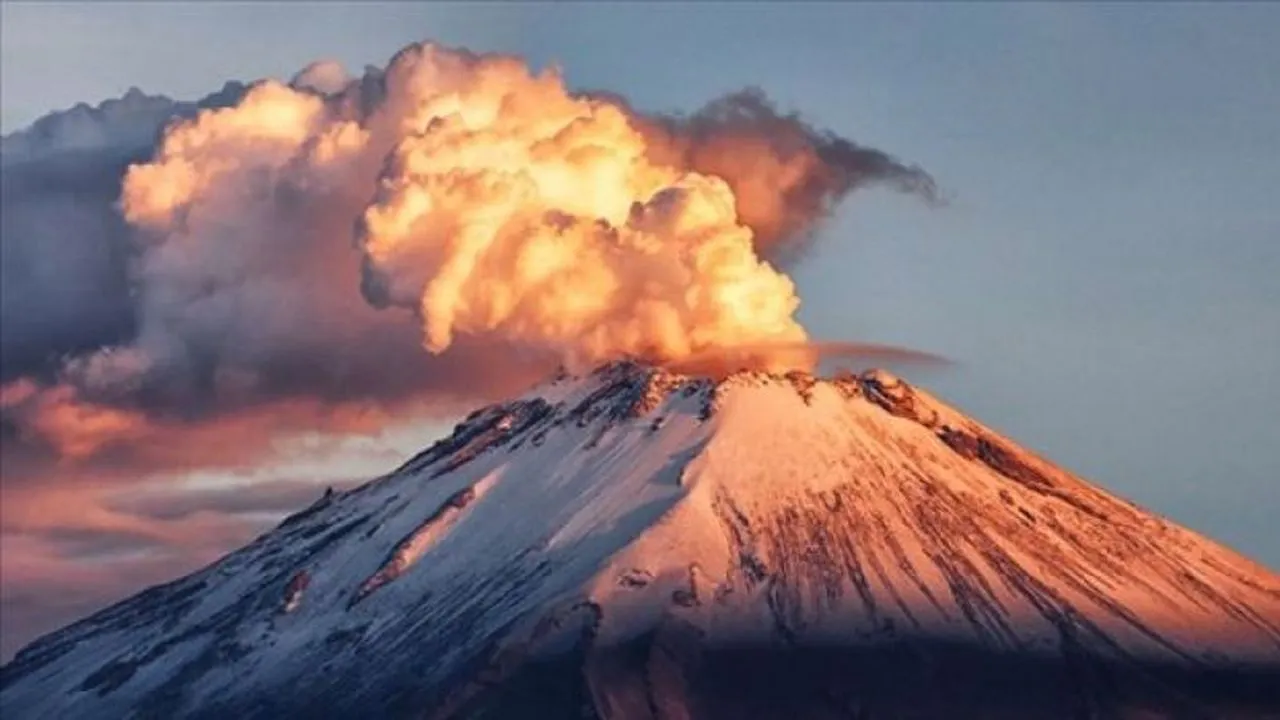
(1103, 273)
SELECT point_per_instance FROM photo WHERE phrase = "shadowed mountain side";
(668, 675)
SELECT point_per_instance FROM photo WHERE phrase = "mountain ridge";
(757, 511)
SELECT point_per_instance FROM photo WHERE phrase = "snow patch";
(416, 544)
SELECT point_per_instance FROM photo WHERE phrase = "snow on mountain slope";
(610, 538)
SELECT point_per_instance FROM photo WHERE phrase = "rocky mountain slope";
(641, 544)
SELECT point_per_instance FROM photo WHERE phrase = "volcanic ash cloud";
(494, 208)
(507, 208)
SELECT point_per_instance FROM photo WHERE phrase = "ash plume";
(785, 174)
(284, 246)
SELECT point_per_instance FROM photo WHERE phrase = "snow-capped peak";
(549, 537)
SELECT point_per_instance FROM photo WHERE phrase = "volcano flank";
(640, 543)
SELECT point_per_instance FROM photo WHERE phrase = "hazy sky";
(1107, 273)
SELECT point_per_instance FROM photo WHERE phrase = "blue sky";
(1106, 274)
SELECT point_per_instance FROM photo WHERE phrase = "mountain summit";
(637, 543)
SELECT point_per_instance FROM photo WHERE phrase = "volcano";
(638, 543)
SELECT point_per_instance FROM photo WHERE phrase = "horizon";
(1102, 275)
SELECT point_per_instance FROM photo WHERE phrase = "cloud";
(327, 77)
(786, 175)
(176, 261)
(64, 247)
(169, 264)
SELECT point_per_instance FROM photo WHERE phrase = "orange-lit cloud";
(511, 223)
(552, 230)
(72, 428)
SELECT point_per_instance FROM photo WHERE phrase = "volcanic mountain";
(636, 543)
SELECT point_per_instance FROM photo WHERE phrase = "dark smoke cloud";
(64, 247)
(255, 300)
(784, 193)
(63, 259)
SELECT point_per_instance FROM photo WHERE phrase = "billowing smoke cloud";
(510, 209)
(307, 240)
(514, 209)
(785, 175)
